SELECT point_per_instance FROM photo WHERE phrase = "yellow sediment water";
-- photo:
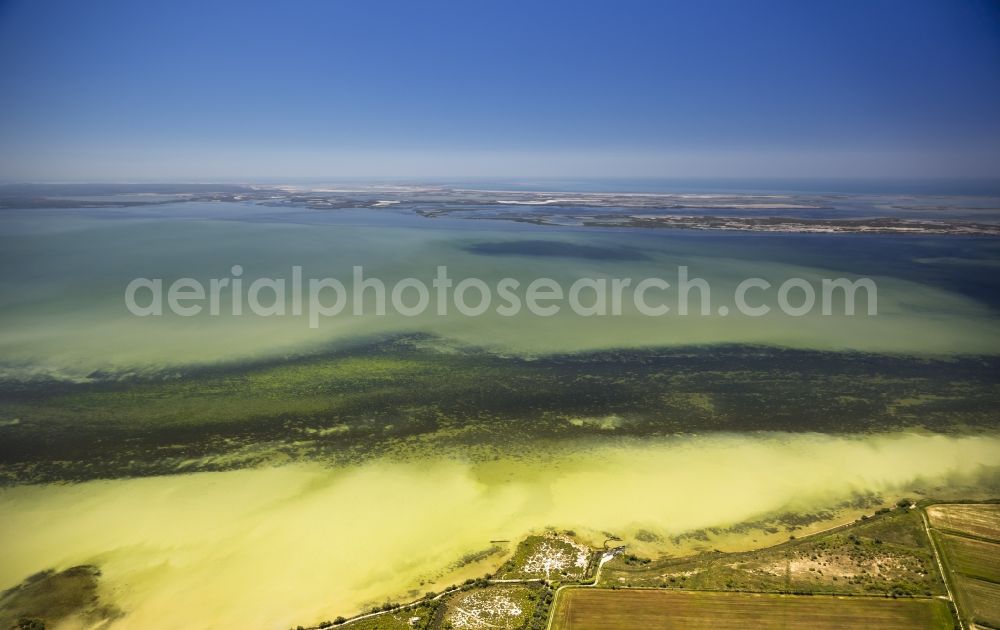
(274, 547)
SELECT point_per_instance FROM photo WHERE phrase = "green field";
(979, 601)
(603, 609)
(968, 536)
(975, 558)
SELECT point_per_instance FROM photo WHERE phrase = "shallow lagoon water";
(276, 547)
(63, 310)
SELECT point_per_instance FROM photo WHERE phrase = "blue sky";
(152, 90)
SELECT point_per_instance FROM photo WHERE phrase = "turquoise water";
(66, 270)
